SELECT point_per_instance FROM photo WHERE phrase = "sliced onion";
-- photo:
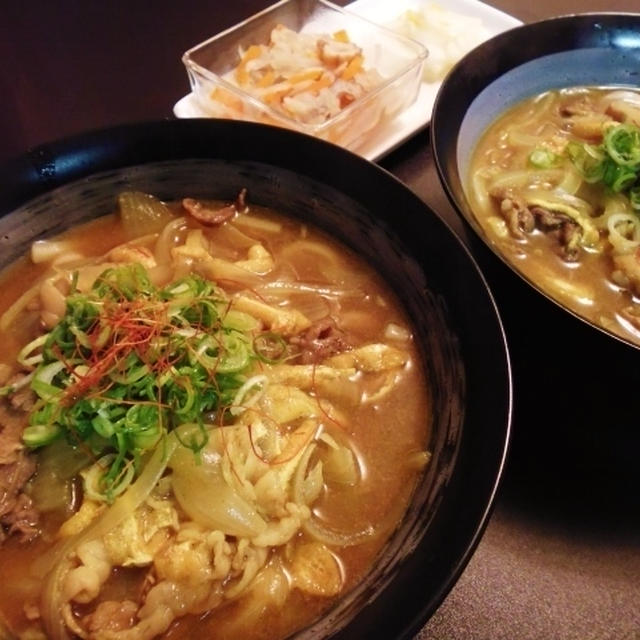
(341, 467)
(319, 531)
(624, 242)
(621, 95)
(521, 178)
(257, 224)
(268, 590)
(614, 203)
(572, 180)
(94, 474)
(170, 236)
(205, 496)
(248, 394)
(141, 213)
(27, 356)
(299, 488)
(283, 289)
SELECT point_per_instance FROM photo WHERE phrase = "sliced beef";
(581, 106)
(23, 519)
(215, 217)
(23, 399)
(518, 216)
(321, 340)
(562, 227)
(12, 424)
(523, 219)
(17, 513)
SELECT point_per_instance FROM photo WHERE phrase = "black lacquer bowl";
(575, 445)
(595, 49)
(455, 320)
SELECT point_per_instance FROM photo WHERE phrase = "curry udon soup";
(554, 184)
(212, 417)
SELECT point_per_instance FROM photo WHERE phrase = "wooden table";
(561, 555)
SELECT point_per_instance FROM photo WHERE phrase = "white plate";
(418, 115)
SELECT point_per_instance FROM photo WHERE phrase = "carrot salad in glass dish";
(305, 76)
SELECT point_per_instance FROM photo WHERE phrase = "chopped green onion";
(27, 357)
(103, 426)
(615, 162)
(270, 347)
(42, 381)
(129, 362)
(39, 435)
(192, 435)
(235, 353)
(588, 160)
(97, 483)
(619, 177)
(622, 143)
(239, 320)
(248, 394)
(542, 158)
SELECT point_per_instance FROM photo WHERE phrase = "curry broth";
(386, 434)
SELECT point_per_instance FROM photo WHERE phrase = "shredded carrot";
(276, 95)
(341, 36)
(354, 66)
(226, 98)
(242, 76)
(307, 74)
(325, 81)
(295, 64)
(266, 80)
(251, 53)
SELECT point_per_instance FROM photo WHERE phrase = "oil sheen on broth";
(554, 184)
(212, 418)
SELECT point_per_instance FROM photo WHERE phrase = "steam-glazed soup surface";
(554, 184)
(212, 417)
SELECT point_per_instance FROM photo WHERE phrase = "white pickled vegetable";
(447, 34)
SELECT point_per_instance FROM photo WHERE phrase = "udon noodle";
(211, 419)
(554, 184)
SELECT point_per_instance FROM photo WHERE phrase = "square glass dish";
(307, 65)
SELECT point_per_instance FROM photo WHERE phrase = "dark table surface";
(560, 558)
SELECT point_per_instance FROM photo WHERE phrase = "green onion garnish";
(130, 362)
